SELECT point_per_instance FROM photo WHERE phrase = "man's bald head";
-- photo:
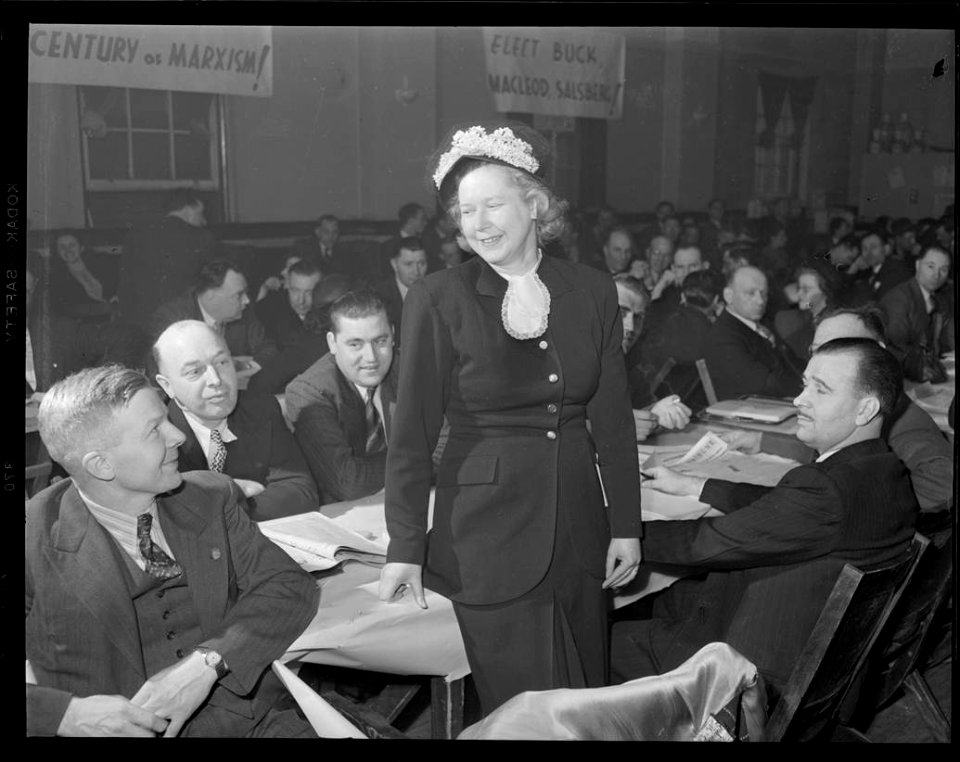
(196, 370)
(746, 293)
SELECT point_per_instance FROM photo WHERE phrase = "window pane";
(151, 156)
(109, 102)
(148, 109)
(108, 156)
(192, 157)
(191, 111)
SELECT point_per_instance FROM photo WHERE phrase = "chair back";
(707, 382)
(901, 641)
(852, 618)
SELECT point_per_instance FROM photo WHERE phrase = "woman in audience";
(517, 350)
(816, 290)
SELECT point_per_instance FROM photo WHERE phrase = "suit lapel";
(200, 548)
(354, 415)
(83, 553)
(191, 456)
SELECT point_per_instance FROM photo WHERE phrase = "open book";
(753, 409)
(317, 542)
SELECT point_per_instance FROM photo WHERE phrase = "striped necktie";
(158, 564)
(376, 441)
(219, 456)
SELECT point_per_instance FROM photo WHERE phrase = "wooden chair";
(897, 657)
(852, 618)
(707, 382)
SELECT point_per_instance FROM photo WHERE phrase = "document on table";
(317, 542)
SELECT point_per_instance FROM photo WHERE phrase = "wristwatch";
(214, 660)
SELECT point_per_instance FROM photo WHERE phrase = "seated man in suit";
(909, 431)
(240, 434)
(154, 604)
(743, 355)
(409, 264)
(341, 405)
(885, 271)
(919, 317)
(666, 292)
(767, 565)
(219, 299)
(322, 247)
(282, 313)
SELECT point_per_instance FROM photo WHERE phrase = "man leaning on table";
(909, 430)
(768, 564)
(153, 603)
(240, 434)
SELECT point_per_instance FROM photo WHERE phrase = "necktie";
(219, 455)
(376, 441)
(766, 333)
(159, 564)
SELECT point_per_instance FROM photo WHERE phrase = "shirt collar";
(207, 317)
(746, 321)
(403, 289)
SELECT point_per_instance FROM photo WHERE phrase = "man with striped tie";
(240, 434)
(153, 603)
(341, 405)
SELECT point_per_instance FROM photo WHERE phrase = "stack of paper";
(317, 542)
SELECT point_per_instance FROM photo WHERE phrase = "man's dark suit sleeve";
(793, 522)
(262, 347)
(341, 474)
(276, 602)
(735, 371)
(289, 488)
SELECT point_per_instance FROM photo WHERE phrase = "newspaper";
(317, 542)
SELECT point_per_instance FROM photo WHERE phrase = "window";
(777, 166)
(148, 139)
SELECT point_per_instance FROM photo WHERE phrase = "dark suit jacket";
(82, 635)
(281, 323)
(741, 361)
(245, 336)
(907, 319)
(337, 262)
(519, 465)
(390, 293)
(159, 262)
(774, 556)
(682, 336)
(795, 327)
(264, 451)
(329, 422)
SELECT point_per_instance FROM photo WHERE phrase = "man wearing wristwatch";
(154, 605)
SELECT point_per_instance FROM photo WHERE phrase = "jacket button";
(166, 614)
(551, 408)
(551, 435)
(553, 378)
(543, 345)
(160, 593)
(179, 653)
(171, 635)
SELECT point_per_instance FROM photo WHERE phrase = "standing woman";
(518, 351)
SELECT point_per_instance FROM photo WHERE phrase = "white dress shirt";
(202, 432)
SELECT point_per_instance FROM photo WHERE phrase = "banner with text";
(232, 60)
(555, 71)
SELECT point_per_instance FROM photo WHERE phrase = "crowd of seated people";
(754, 300)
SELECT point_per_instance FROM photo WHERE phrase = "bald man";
(240, 434)
(743, 354)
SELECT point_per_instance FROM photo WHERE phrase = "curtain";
(775, 88)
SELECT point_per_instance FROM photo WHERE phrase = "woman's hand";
(396, 578)
(623, 560)
(671, 412)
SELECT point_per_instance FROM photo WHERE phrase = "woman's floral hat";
(501, 145)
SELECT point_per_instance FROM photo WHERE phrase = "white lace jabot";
(526, 305)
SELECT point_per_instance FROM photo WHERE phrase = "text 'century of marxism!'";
(562, 89)
(110, 49)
